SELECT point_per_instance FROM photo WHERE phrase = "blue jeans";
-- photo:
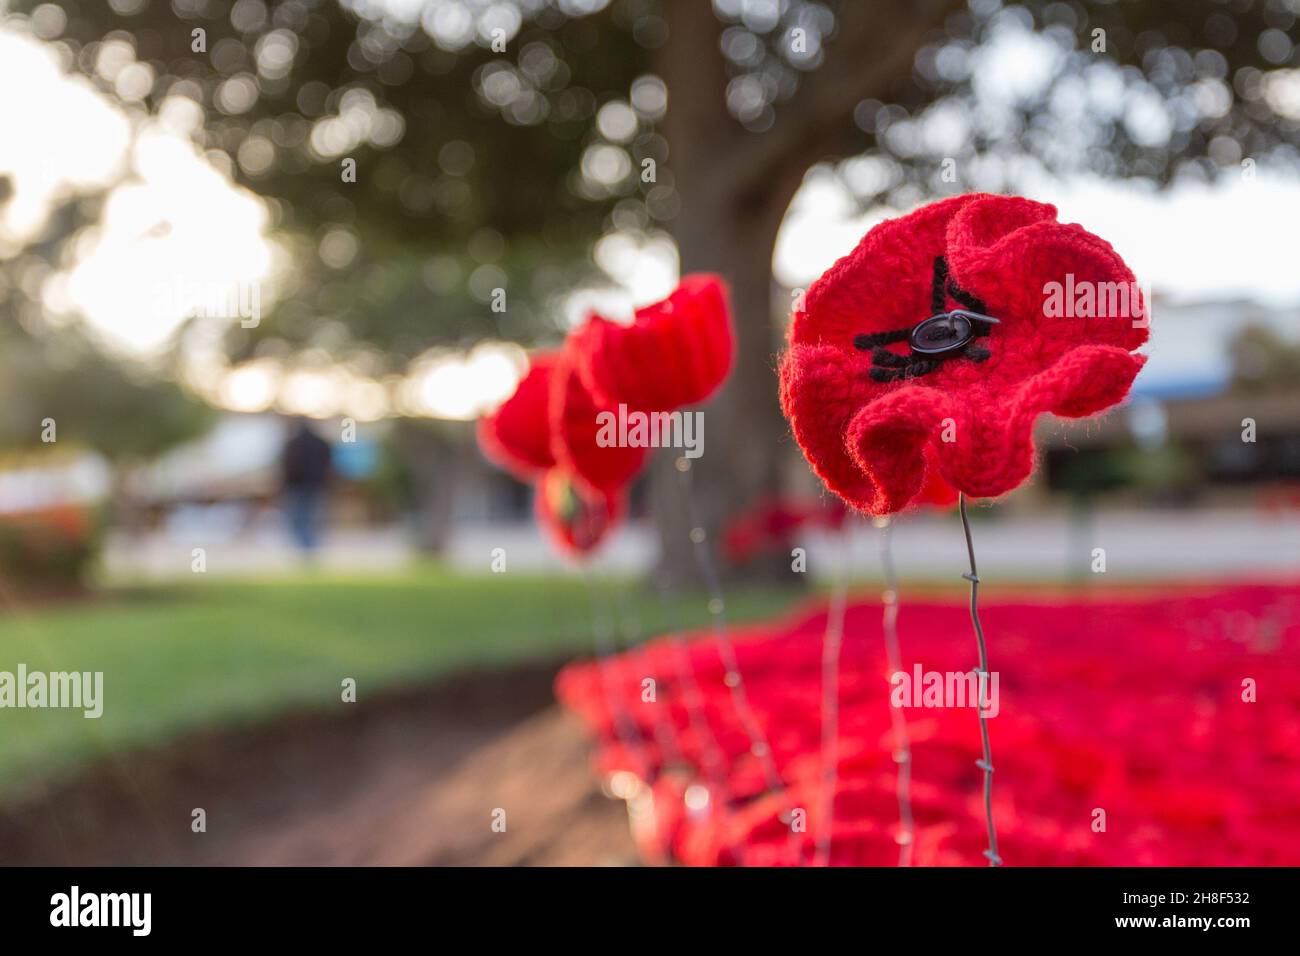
(305, 507)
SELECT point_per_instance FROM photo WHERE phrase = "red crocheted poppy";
(552, 420)
(935, 491)
(517, 436)
(576, 426)
(546, 432)
(1037, 316)
(575, 518)
(675, 353)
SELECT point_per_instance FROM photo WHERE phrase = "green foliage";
(122, 410)
(1264, 361)
(1166, 471)
(50, 551)
(467, 186)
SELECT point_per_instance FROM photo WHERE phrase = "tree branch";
(876, 45)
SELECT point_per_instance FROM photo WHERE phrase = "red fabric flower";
(863, 406)
(767, 526)
(575, 425)
(517, 436)
(546, 433)
(676, 352)
(575, 518)
(935, 491)
(1135, 706)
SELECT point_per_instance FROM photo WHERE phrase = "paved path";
(1138, 544)
(413, 779)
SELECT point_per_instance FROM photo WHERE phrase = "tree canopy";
(494, 142)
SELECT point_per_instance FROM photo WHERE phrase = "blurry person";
(306, 468)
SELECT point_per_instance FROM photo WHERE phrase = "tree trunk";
(728, 227)
(436, 463)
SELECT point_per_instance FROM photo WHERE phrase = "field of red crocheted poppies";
(1132, 729)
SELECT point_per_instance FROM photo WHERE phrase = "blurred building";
(230, 478)
(1191, 429)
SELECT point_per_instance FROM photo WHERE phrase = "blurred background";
(227, 226)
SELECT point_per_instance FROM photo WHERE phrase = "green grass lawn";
(223, 652)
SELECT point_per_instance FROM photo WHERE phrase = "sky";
(172, 227)
(176, 226)
(1235, 239)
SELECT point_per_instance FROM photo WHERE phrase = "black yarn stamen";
(974, 303)
(938, 283)
(887, 366)
(886, 359)
(870, 340)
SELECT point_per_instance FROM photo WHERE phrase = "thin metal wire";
(624, 727)
(832, 643)
(732, 677)
(982, 677)
(898, 722)
(665, 730)
(713, 761)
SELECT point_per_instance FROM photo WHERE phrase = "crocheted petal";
(676, 353)
(579, 427)
(821, 389)
(883, 284)
(887, 440)
(574, 518)
(618, 363)
(936, 492)
(988, 219)
(1085, 381)
(517, 435)
(1061, 281)
(993, 451)
(989, 450)
(695, 324)
(584, 342)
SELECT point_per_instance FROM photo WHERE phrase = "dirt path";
(413, 779)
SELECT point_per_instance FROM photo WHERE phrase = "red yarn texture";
(574, 428)
(1135, 705)
(545, 433)
(865, 439)
(675, 353)
(770, 525)
(575, 518)
(517, 436)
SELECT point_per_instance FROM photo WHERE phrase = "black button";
(942, 334)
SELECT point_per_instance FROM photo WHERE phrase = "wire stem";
(625, 729)
(665, 730)
(832, 643)
(759, 747)
(982, 676)
(712, 760)
(898, 722)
